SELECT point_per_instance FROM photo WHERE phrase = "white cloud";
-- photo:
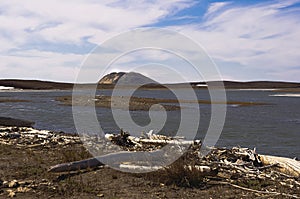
(67, 23)
(214, 7)
(45, 65)
(264, 37)
(72, 20)
(260, 37)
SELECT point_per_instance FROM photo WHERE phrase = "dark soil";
(26, 164)
(7, 121)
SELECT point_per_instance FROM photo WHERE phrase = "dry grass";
(179, 174)
(71, 155)
(176, 181)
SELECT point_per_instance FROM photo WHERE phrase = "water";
(272, 129)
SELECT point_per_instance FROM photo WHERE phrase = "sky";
(248, 40)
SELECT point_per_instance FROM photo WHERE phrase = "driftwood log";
(205, 170)
(156, 139)
(76, 166)
(95, 162)
(149, 161)
(137, 160)
(285, 165)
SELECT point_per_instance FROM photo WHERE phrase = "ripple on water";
(286, 95)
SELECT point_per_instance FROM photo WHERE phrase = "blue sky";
(248, 40)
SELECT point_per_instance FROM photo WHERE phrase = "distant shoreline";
(48, 85)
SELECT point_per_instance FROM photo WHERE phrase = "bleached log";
(116, 158)
(119, 157)
(157, 141)
(285, 165)
(152, 159)
(76, 166)
(202, 169)
(174, 142)
(205, 170)
(139, 167)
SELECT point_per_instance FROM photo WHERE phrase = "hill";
(35, 84)
(126, 78)
(129, 79)
(137, 78)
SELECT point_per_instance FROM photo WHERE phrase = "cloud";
(69, 21)
(45, 65)
(248, 41)
(214, 7)
(260, 37)
(28, 28)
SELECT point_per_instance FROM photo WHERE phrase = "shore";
(27, 154)
(49, 85)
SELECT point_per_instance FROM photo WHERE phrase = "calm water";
(272, 129)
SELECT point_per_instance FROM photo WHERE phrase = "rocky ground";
(27, 154)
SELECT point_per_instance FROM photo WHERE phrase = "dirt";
(29, 166)
(7, 121)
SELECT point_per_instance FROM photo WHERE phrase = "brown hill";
(111, 78)
(127, 79)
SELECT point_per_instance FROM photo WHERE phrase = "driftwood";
(125, 160)
(205, 170)
(139, 167)
(150, 161)
(285, 165)
(31, 138)
(113, 159)
(255, 191)
(174, 142)
(76, 166)
(137, 140)
(233, 167)
(242, 160)
(149, 138)
(118, 157)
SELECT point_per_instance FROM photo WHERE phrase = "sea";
(272, 128)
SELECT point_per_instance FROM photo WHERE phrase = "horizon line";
(224, 80)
